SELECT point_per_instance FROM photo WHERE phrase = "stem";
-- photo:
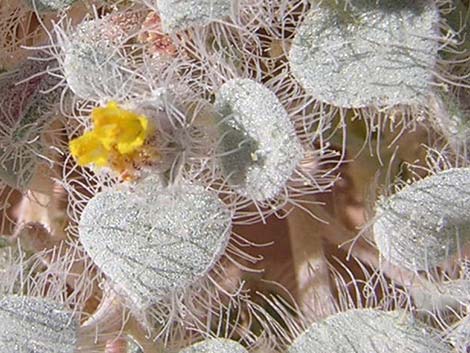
(311, 269)
(104, 325)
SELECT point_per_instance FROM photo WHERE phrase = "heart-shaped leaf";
(94, 62)
(367, 331)
(24, 114)
(153, 240)
(425, 223)
(367, 52)
(29, 324)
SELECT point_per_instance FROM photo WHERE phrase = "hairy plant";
(438, 228)
(260, 176)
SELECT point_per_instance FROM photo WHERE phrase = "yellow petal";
(116, 136)
(104, 115)
(134, 135)
(120, 129)
(88, 149)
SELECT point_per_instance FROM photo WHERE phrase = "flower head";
(119, 129)
(88, 149)
(117, 134)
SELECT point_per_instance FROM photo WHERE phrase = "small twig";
(311, 269)
(105, 325)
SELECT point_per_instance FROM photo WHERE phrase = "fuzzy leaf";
(424, 224)
(152, 241)
(259, 148)
(367, 52)
(367, 331)
(30, 324)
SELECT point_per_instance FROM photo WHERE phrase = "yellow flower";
(88, 149)
(120, 129)
(116, 133)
